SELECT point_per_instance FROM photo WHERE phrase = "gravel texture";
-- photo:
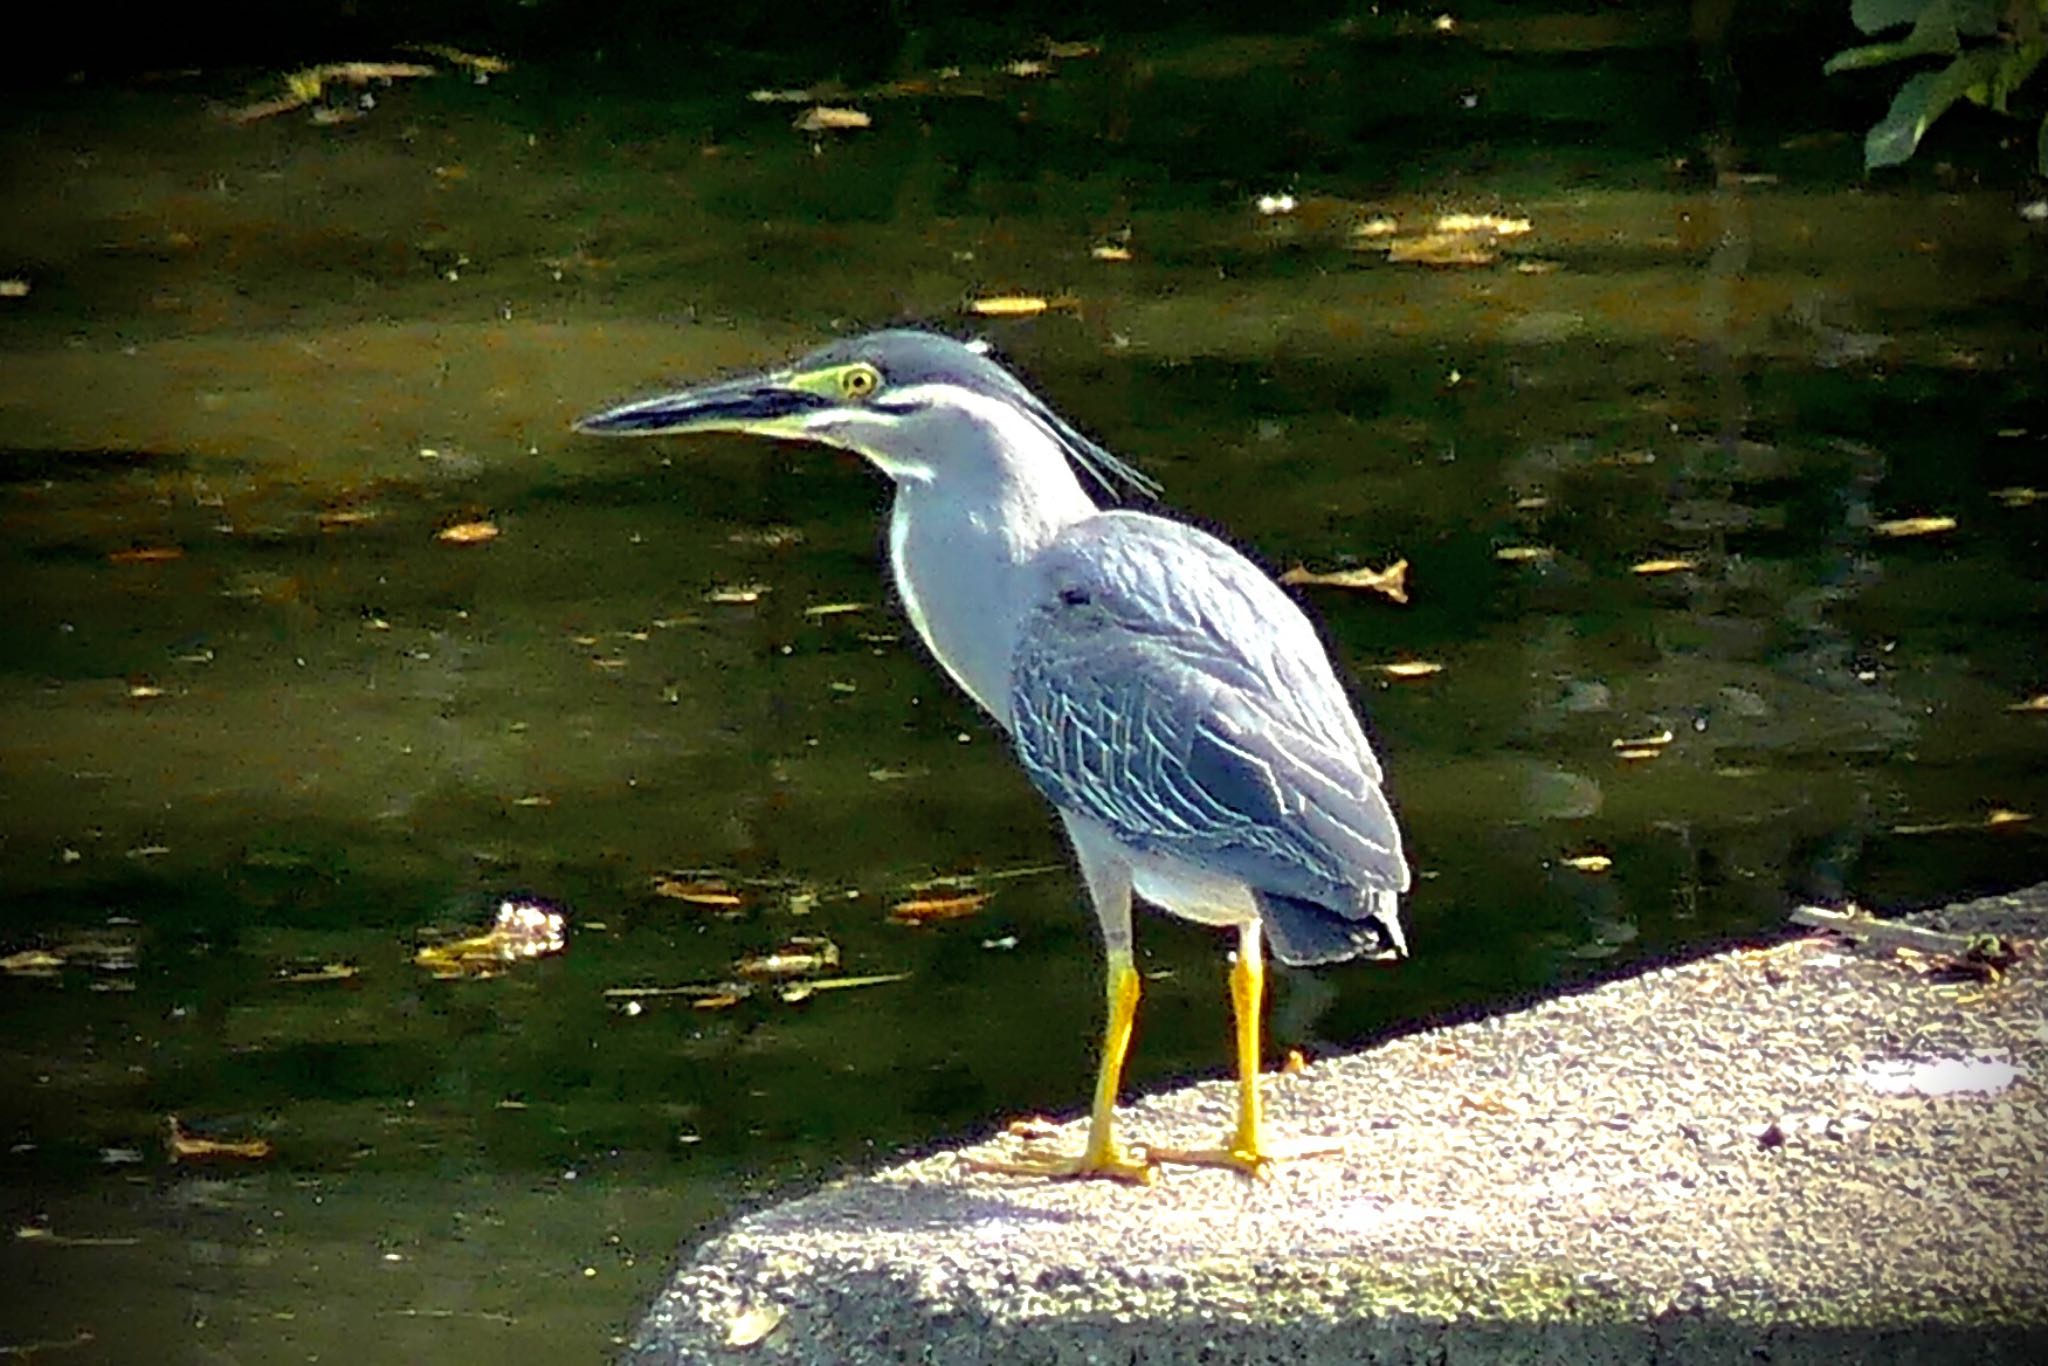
(1730, 1160)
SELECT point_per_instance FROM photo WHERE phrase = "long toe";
(1249, 1159)
(1114, 1165)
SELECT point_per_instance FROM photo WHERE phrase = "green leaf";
(1922, 100)
(2018, 63)
(1933, 32)
(1870, 54)
(1978, 18)
(1874, 16)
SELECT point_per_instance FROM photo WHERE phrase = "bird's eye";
(858, 381)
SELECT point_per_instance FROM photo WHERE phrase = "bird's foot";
(1100, 1161)
(1248, 1159)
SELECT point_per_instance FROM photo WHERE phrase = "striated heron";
(1170, 701)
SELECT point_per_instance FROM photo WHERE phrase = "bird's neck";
(960, 547)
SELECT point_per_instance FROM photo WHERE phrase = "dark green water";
(291, 354)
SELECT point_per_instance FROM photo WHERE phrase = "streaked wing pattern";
(1166, 688)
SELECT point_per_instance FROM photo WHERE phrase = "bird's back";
(1166, 689)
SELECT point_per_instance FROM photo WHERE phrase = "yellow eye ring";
(858, 381)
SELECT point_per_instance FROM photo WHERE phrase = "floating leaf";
(1675, 565)
(927, 909)
(1482, 223)
(1915, 526)
(2037, 703)
(467, 533)
(827, 118)
(833, 609)
(186, 1147)
(1392, 581)
(1109, 251)
(713, 894)
(13, 288)
(1442, 249)
(1524, 554)
(737, 593)
(2019, 497)
(799, 991)
(1411, 668)
(523, 929)
(1588, 863)
(802, 955)
(1009, 306)
(325, 972)
(32, 963)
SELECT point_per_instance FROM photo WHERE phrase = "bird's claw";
(1112, 1165)
(1247, 1159)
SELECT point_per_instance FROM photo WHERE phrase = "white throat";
(989, 489)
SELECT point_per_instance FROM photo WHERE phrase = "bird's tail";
(1303, 932)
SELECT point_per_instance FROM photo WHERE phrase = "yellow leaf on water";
(827, 118)
(926, 909)
(1392, 581)
(715, 894)
(1915, 526)
(1588, 863)
(1524, 554)
(1109, 251)
(523, 929)
(2019, 497)
(834, 609)
(737, 593)
(1009, 306)
(467, 533)
(1411, 668)
(2003, 816)
(1675, 565)
(802, 955)
(1638, 753)
(186, 1147)
(31, 963)
(1483, 222)
(2038, 702)
(1443, 249)
(1657, 741)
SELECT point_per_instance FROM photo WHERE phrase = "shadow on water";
(325, 635)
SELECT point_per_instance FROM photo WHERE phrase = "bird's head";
(902, 399)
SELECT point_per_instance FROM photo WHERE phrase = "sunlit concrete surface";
(1808, 1152)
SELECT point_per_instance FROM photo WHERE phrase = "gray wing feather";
(1167, 689)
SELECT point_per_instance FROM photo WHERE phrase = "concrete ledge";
(1735, 1159)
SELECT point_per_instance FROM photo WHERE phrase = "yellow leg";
(1248, 1151)
(1101, 1156)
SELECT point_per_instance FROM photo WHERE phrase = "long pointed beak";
(757, 403)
